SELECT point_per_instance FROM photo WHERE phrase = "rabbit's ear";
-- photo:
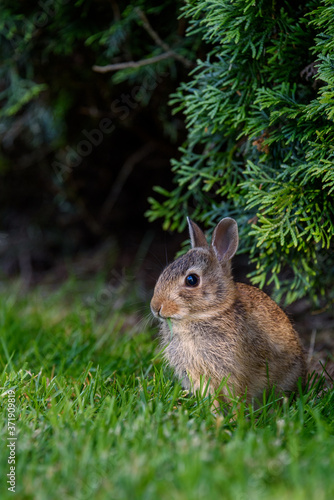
(196, 235)
(225, 239)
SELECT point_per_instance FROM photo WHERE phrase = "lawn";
(98, 415)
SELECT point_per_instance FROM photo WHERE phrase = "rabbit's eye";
(192, 280)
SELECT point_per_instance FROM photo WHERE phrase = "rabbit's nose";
(156, 308)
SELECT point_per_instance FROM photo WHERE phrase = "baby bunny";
(220, 328)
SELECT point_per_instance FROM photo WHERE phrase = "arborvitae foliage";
(260, 146)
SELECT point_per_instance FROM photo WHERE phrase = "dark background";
(56, 205)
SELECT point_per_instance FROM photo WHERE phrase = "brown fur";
(222, 329)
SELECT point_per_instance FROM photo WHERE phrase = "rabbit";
(221, 329)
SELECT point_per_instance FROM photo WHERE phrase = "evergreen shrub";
(260, 145)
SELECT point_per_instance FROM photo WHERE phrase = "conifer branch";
(133, 64)
(169, 52)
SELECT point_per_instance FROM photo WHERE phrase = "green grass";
(99, 417)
